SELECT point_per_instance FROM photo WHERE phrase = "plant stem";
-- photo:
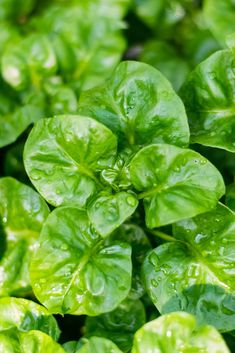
(161, 235)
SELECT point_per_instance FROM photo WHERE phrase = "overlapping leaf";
(195, 273)
(73, 271)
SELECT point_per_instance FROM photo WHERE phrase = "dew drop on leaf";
(153, 259)
(131, 201)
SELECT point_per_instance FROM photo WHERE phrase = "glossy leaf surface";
(99, 345)
(208, 95)
(63, 156)
(12, 341)
(107, 213)
(22, 213)
(178, 332)
(176, 183)
(83, 275)
(139, 105)
(25, 315)
(195, 273)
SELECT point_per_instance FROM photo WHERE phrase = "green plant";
(121, 222)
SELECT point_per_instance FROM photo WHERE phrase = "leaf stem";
(161, 235)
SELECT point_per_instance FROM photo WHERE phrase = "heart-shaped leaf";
(63, 156)
(73, 271)
(176, 183)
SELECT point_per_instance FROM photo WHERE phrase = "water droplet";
(97, 205)
(131, 201)
(42, 280)
(49, 171)
(168, 333)
(154, 282)
(154, 259)
(34, 176)
(196, 161)
(58, 191)
(165, 93)
(199, 237)
(4, 219)
(37, 286)
(212, 75)
(176, 169)
(217, 220)
(64, 247)
(225, 241)
(221, 250)
(193, 271)
(68, 137)
(206, 253)
(112, 214)
(203, 161)
(212, 242)
(121, 287)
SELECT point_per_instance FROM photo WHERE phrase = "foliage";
(117, 175)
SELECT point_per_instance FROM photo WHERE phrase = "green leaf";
(73, 271)
(165, 58)
(118, 325)
(63, 156)
(27, 62)
(99, 345)
(208, 95)
(12, 341)
(107, 213)
(22, 213)
(83, 27)
(25, 315)
(195, 273)
(176, 183)
(139, 105)
(220, 18)
(74, 346)
(15, 119)
(39, 342)
(178, 332)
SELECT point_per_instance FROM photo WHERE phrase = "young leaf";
(63, 155)
(176, 183)
(12, 341)
(22, 213)
(118, 325)
(178, 332)
(139, 105)
(195, 273)
(107, 213)
(99, 345)
(208, 95)
(73, 271)
(25, 315)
